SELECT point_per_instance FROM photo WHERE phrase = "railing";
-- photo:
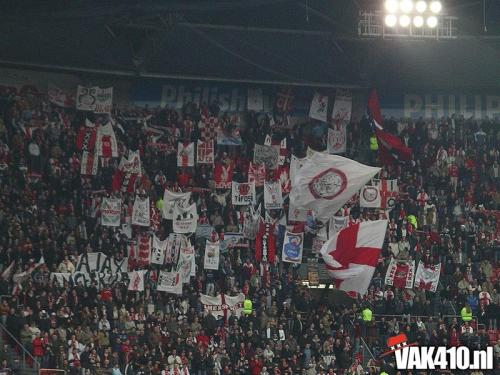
(364, 345)
(25, 353)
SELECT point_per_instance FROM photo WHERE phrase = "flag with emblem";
(243, 193)
(136, 283)
(400, 274)
(169, 282)
(427, 276)
(352, 254)
(222, 305)
(273, 197)
(388, 191)
(205, 152)
(212, 253)
(185, 154)
(257, 174)
(319, 107)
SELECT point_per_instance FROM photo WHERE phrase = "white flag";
(296, 214)
(336, 224)
(185, 154)
(273, 197)
(427, 276)
(110, 212)
(326, 182)
(243, 193)
(370, 197)
(222, 305)
(186, 265)
(211, 260)
(136, 282)
(255, 101)
(337, 139)
(106, 141)
(185, 219)
(140, 212)
(319, 107)
(158, 250)
(169, 282)
(342, 108)
(170, 199)
(295, 165)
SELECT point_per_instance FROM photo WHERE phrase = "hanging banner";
(400, 274)
(427, 276)
(342, 108)
(251, 223)
(185, 219)
(106, 144)
(140, 212)
(175, 242)
(293, 247)
(111, 209)
(337, 140)
(100, 263)
(104, 100)
(266, 155)
(243, 193)
(273, 198)
(211, 260)
(255, 100)
(186, 265)
(89, 163)
(296, 214)
(170, 199)
(136, 283)
(232, 240)
(223, 175)
(185, 154)
(143, 249)
(370, 197)
(319, 107)
(257, 174)
(96, 99)
(389, 191)
(169, 282)
(60, 97)
(222, 305)
(158, 251)
(336, 224)
(317, 244)
(295, 165)
(205, 152)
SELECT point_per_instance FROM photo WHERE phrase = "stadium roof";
(307, 41)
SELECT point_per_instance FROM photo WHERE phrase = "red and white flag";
(319, 107)
(352, 254)
(143, 254)
(389, 192)
(89, 163)
(185, 154)
(326, 182)
(106, 144)
(427, 277)
(205, 152)
(136, 283)
(400, 274)
(257, 174)
(223, 175)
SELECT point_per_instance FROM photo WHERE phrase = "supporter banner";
(106, 141)
(185, 154)
(243, 193)
(296, 214)
(232, 240)
(319, 107)
(337, 139)
(283, 152)
(342, 108)
(251, 224)
(273, 198)
(326, 182)
(186, 265)
(293, 247)
(143, 249)
(111, 209)
(255, 100)
(60, 97)
(175, 242)
(265, 243)
(336, 224)
(400, 274)
(229, 135)
(205, 152)
(317, 244)
(267, 155)
(204, 231)
(100, 263)
(96, 99)
(136, 283)
(158, 250)
(283, 174)
(170, 199)
(257, 174)
(427, 276)
(295, 165)
(185, 219)
(389, 192)
(222, 305)
(140, 212)
(223, 175)
(100, 280)
(89, 163)
(284, 101)
(169, 282)
(370, 197)
(211, 259)
(86, 137)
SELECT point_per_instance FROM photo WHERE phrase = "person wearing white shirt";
(174, 361)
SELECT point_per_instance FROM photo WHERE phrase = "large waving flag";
(326, 182)
(352, 254)
(391, 148)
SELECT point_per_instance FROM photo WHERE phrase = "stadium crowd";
(47, 208)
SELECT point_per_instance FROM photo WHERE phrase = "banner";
(158, 251)
(255, 100)
(337, 140)
(185, 219)
(427, 277)
(257, 174)
(89, 163)
(293, 247)
(170, 199)
(243, 193)
(169, 282)
(136, 283)
(106, 144)
(232, 240)
(140, 212)
(400, 274)
(100, 280)
(295, 165)
(223, 175)
(336, 224)
(222, 305)
(266, 155)
(273, 198)
(251, 223)
(143, 249)
(86, 137)
(186, 265)
(389, 191)
(283, 175)
(319, 107)
(94, 99)
(265, 243)
(204, 231)
(111, 209)
(342, 108)
(211, 260)
(370, 197)
(175, 242)
(185, 154)
(296, 214)
(60, 97)
(100, 263)
(205, 152)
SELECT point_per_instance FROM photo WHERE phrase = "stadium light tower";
(408, 18)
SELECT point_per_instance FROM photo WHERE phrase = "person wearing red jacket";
(255, 366)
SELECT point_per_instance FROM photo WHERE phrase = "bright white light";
(406, 6)
(421, 6)
(391, 6)
(418, 21)
(436, 6)
(390, 20)
(404, 20)
(432, 22)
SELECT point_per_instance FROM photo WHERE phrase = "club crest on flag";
(328, 184)
(370, 193)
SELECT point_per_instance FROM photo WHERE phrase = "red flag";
(265, 243)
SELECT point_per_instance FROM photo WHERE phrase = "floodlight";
(436, 6)
(404, 20)
(406, 6)
(391, 20)
(418, 21)
(391, 6)
(432, 22)
(421, 6)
